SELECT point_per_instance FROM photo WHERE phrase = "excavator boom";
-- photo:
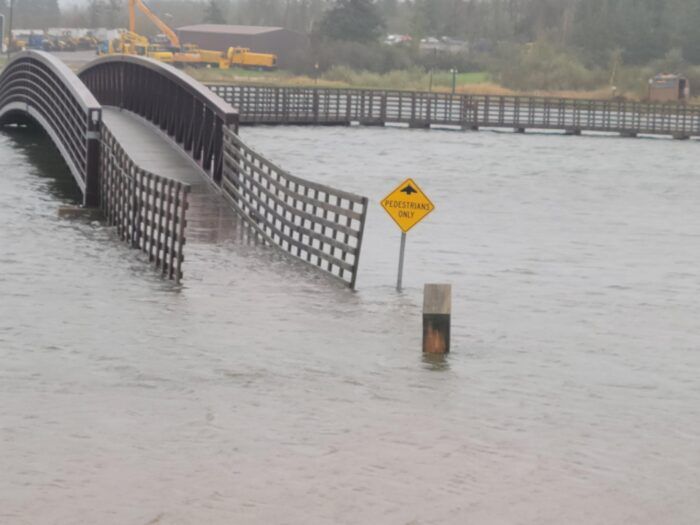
(191, 55)
(162, 26)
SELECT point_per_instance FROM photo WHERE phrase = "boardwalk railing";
(291, 105)
(318, 224)
(181, 107)
(148, 210)
(40, 87)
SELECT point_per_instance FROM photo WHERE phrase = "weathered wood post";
(437, 313)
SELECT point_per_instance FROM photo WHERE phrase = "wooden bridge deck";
(149, 148)
(209, 217)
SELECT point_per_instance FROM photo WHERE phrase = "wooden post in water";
(437, 313)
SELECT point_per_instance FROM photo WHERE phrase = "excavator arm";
(162, 26)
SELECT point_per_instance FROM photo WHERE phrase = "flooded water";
(259, 392)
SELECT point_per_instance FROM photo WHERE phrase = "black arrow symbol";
(408, 190)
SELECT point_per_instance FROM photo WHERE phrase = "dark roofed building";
(282, 42)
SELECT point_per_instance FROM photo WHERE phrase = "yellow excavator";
(131, 43)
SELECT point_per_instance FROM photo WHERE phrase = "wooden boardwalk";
(149, 149)
(323, 106)
(209, 217)
(145, 143)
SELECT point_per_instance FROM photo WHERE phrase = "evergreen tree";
(113, 12)
(352, 20)
(96, 10)
(36, 14)
(213, 13)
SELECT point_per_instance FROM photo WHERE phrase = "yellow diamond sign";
(407, 205)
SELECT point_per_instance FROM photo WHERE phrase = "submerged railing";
(313, 222)
(292, 105)
(148, 210)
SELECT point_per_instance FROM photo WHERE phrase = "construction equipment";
(19, 39)
(191, 55)
(88, 41)
(244, 57)
(36, 41)
(130, 43)
(162, 26)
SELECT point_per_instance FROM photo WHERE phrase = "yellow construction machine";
(243, 57)
(130, 43)
(174, 52)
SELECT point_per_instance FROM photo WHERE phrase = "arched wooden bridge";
(137, 135)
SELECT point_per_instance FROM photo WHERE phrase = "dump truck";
(235, 57)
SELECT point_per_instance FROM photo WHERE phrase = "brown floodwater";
(261, 392)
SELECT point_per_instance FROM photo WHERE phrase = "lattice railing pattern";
(295, 105)
(148, 210)
(313, 222)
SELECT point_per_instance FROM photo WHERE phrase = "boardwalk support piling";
(437, 314)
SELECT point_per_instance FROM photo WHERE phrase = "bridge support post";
(470, 114)
(437, 313)
(91, 197)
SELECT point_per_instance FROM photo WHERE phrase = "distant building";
(669, 88)
(282, 42)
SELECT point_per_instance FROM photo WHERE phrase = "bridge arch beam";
(186, 111)
(38, 86)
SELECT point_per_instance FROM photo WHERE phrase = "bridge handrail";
(221, 87)
(204, 94)
(80, 92)
(189, 113)
(312, 222)
(320, 105)
(40, 86)
(149, 210)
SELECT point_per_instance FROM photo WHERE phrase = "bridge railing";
(182, 108)
(293, 105)
(313, 222)
(148, 210)
(38, 85)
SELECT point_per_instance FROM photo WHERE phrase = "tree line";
(526, 44)
(640, 30)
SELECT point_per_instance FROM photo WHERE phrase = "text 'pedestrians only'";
(407, 205)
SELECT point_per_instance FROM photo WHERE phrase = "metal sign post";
(402, 250)
(407, 205)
